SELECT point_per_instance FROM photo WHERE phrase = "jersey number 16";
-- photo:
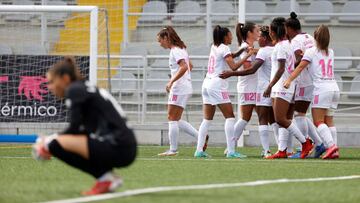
(326, 68)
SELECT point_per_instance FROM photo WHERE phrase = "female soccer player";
(262, 63)
(97, 139)
(300, 42)
(179, 86)
(319, 60)
(283, 61)
(246, 34)
(215, 91)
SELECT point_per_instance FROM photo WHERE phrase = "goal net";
(32, 39)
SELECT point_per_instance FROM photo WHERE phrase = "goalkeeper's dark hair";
(67, 66)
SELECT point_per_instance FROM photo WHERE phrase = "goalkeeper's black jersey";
(95, 112)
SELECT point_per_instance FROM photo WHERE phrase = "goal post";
(27, 108)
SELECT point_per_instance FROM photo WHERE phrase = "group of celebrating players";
(290, 71)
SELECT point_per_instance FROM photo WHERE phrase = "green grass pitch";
(26, 180)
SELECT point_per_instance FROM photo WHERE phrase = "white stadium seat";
(187, 7)
(342, 64)
(154, 7)
(355, 87)
(350, 7)
(319, 7)
(222, 7)
(255, 7)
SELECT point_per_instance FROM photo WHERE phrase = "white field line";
(306, 161)
(134, 192)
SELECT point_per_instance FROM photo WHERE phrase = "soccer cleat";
(296, 155)
(206, 143)
(278, 155)
(335, 155)
(235, 155)
(168, 153)
(319, 150)
(225, 152)
(330, 151)
(198, 154)
(306, 148)
(102, 187)
(265, 154)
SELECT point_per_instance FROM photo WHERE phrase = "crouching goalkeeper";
(97, 139)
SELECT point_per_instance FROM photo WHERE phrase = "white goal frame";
(93, 10)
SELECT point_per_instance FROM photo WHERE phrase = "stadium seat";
(156, 82)
(350, 7)
(232, 85)
(154, 7)
(285, 6)
(131, 51)
(342, 64)
(319, 7)
(339, 81)
(161, 62)
(33, 49)
(222, 7)
(16, 17)
(355, 87)
(199, 50)
(255, 7)
(5, 49)
(187, 7)
(56, 16)
(197, 80)
(124, 82)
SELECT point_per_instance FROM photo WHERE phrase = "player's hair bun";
(293, 15)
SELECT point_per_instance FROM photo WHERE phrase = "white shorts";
(178, 100)
(287, 96)
(304, 93)
(215, 97)
(262, 101)
(326, 100)
(247, 98)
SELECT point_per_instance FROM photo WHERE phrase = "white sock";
(203, 131)
(264, 137)
(229, 132)
(334, 133)
(188, 128)
(275, 128)
(290, 144)
(294, 131)
(173, 135)
(108, 176)
(302, 124)
(283, 139)
(239, 128)
(314, 135)
(325, 135)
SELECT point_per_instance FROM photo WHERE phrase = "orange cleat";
(102, 187)
(335, 155)
(278, 155)
(306, 148)
(330, 151)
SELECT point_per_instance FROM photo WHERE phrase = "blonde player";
(300, 42)
(215, 91)
(261, 65)
(179, 86)
(283, 60)
(320, 60)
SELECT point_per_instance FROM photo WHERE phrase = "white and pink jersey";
(283, 51)
(303, 42)
(183, 85)
(321, 69)
(216, 66)
(248, 83)
(264, 72)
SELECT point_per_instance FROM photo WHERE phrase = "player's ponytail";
(293, 22)
(67, 66)
(322, 38)
(278, 27)
(219, 34)
(172, 36)
(242, 31)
